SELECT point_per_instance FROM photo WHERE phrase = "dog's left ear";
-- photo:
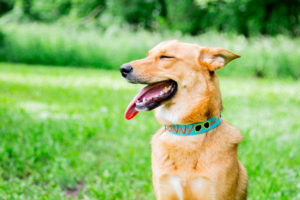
(215, 58)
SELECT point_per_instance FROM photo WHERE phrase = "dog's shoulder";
(155, 137)
(231, 133)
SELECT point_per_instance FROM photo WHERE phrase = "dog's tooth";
(166, 89)
(139, 102)
(161, 93)
(156, 95)
(144, 99)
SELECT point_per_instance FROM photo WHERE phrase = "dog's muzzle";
(127, 73)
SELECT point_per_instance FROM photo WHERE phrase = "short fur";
(197, 167)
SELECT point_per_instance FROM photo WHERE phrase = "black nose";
(125, 70)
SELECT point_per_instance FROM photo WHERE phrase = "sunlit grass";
(101, 79)
(62, 126)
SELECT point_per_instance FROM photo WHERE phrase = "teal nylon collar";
(194, 129)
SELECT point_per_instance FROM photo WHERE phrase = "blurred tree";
(183, 15)
(48, 10)
(251, 17)
(40, 10)
(247, 17)
(163, 8)
(5, 6)
(136, 12)
(91, 8)
(27, 5)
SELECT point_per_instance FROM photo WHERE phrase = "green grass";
(62, 126)
(57, 45)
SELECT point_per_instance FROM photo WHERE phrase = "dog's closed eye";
(165, 57)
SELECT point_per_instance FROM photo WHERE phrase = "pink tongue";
(130, 110)
(150, 90)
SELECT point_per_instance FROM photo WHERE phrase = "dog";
(194, 154)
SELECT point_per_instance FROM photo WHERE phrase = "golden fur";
(197, 167)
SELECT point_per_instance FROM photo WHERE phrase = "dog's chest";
(181, 170)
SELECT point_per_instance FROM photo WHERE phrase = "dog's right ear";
(216, 58)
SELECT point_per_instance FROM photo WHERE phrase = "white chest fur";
(176, 184)
(196, 187)
(167, 115)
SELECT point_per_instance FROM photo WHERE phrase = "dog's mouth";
(151, 97)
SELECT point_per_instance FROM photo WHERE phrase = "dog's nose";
(125, 70)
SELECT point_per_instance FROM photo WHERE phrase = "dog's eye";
(163, 57)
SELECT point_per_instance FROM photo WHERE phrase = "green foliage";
(83, 8)
(62, 126)
(59, 46)
(46, 10)
(247, 17)
(183, 16)
(54, 45)
(137, 12)
(252, 17)
(2, 52)
(5, 6)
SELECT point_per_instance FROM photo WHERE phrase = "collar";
(194, 129)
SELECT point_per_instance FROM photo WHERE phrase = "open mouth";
(151, 97)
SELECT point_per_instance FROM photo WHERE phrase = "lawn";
(63, 129)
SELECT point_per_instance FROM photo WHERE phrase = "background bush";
(105, 34)
(57, 45)
(247, 17)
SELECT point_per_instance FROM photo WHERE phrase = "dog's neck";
(209, 106)
(196, 109)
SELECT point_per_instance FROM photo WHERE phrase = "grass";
(57, 45)
(65, 126)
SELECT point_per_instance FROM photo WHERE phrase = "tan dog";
(184, 89)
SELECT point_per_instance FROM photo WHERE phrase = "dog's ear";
(215, 58)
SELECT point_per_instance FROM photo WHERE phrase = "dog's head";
(182, 84)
